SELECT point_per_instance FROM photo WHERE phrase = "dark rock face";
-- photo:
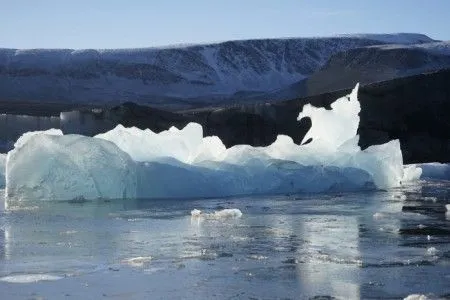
(413, 109)
(374, 64)
(368, 65)
(94, 121)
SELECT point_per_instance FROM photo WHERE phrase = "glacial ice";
(2, 170)
(135, 163)
(434, 170)
(65, 167)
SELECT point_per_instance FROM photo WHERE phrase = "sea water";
(378, 244)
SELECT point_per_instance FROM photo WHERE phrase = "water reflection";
(350, 246)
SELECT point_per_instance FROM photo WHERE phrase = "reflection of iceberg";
(129, 162)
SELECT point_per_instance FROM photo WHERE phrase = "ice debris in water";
(29, 278)
(227, 213)
(433, 170)
(135, 163)
(139, 261)
(432, 251)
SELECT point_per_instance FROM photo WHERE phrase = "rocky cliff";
(413, 109)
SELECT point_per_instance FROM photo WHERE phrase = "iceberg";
(181, 163)
(434, 170)
(2, 170)
(53, 166)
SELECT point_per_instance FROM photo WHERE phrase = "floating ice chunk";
(55, 167)
(139, 261)
(411, 173)
(432, 251)
(257, 257)
(378, 215)
(196, 213)
(418, 297)
(447, 207)
(434, 171)
(29, 278)
(228, 213)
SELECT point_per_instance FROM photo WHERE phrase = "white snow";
(392, 38)
(205, 72)
(439, 48)
(129, 162)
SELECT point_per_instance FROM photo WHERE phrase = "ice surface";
(145, 145)
(181, 163)
(66, 167)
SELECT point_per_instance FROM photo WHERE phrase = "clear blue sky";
(144, 23)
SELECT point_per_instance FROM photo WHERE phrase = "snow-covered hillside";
(377, 63)
(169, 75)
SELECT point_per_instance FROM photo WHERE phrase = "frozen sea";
(379, 245)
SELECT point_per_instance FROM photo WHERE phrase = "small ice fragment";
(447, 207)
(68, 232)
(219, 214)
(29, 278)
(378, 215)
(421, 226)
(400, 196)
(428, 237)
(196, 213)
(228, 213)
(432, 199)
(257, 257)
(417, 297)
(432, 251)
(139, 261)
